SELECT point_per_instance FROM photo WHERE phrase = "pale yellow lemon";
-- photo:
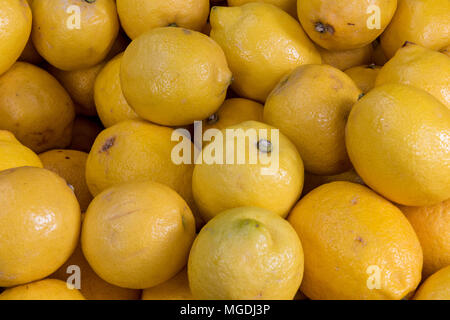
(346, 59)
(177, 288)
(262, 43)
(290, 6)
(15, 28)
(70, 165)
(246, 253)
(357, 245)
(139, 16)
(234, 111)
(436, 287)
(137, 235)
(48, 289)
(174, 76)
(74, 34)
(35, 107)
(432, 225)
(92, 287)
(419, 67)
(424, 22)
(260, 167)
(398, 139)
(39, 226)
(80, 86)
(13, 154)
(109, 100)
(310, 106)
(344, 25)
(364, 76)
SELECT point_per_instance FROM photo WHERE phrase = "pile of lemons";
(348, 196)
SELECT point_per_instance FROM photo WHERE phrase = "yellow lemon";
(234, 111)
(246, 254)
(35, 107)
(424, 22)
(313, 181)
(357, 245)
(174, 76)
(397, 138)
(364, 76)
(344, 25)
(109, 100)
(262, 43)
(137, 151)
(15, 28)
(84, 132)
(74, 34)
(310, 106)
(432, 225)
(139, 16)
(13, 154)
(80, 86)
(346, 59)
(70, 165)
(177, 288)
(419, 67)
(290, 6)
(39, 226)
(48, 289)
(262, 169)
(92, 287)
(137, 235)
(436, 287)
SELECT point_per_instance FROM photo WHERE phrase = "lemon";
(432, 225)
(357, 245)
(92, 287)
(13, 154)
(74, 34)
(70, 165)
(48, 289)
(424, 22)
(193, 65)
(436, 287)
(246, 254)
(177, 288)
(274, 182)
(15, 20)
(313, 181)
(446, 51)
(310, 106)
(397, 138)
(290, 6)
(137, 235)
(234, 111)
(419, 67)
(247, 35)
(39, 227)
(35, 107)
(109, 100)
(344, 25)
(80, 86)
(346, 59)
(364, 76)
(139, 16)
